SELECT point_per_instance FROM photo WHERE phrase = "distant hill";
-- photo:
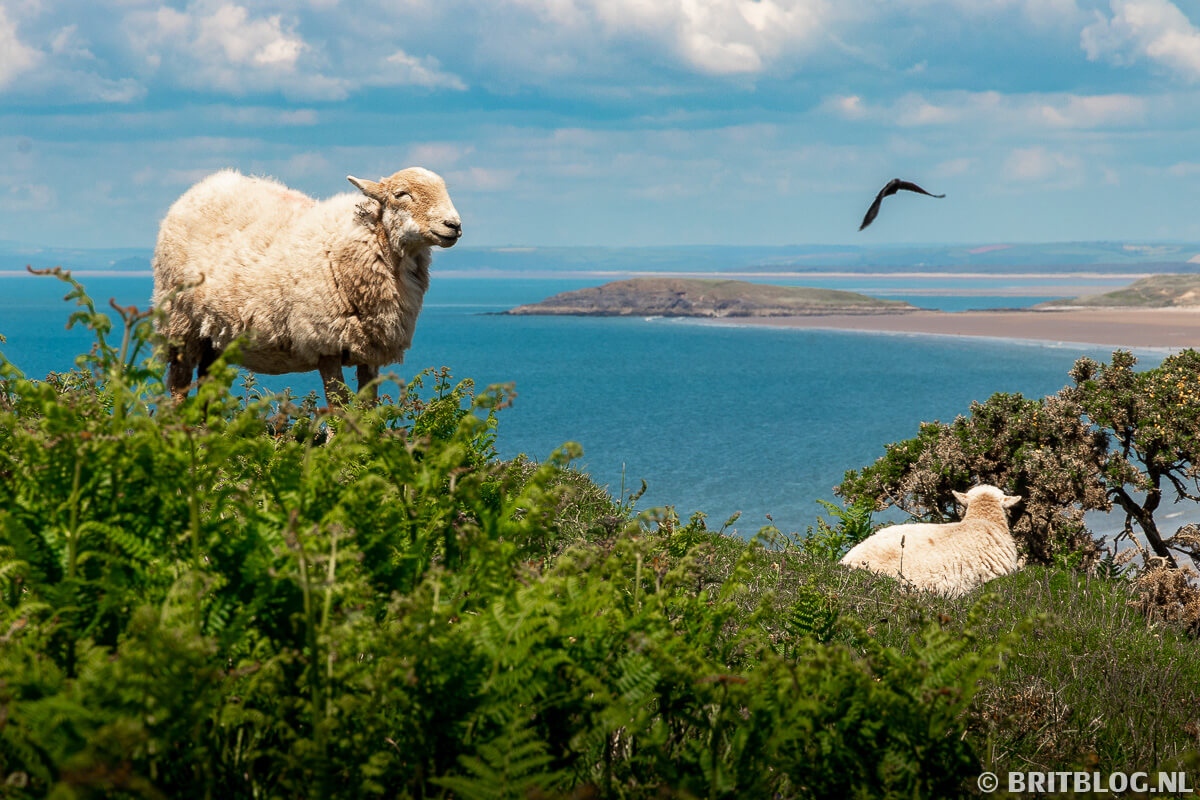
(1156, 291)
(15, 256)
(1099, 257)
(694, 297)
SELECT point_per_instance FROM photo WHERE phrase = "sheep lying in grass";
(313, 285)
(949, 559)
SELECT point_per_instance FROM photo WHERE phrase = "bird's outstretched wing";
(912, 187)
(872, 212)
(891, 188)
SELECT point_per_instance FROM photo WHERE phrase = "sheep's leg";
(208, 354)
(336, 393)
(179, 372)
(365, 376)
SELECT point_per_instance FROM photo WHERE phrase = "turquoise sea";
(715, 418)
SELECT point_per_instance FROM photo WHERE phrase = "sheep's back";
(225, 223)
(949, 558)
(216, 237)
(884, 544)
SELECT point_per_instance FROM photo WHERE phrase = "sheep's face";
(415, 208)
(989, 492)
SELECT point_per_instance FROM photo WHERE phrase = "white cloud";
(1038, 12)
(185, 177)
(67, 43)
(1039, 164)
(93, 88)
(718, 37)
(260, 42)
(953, 167)
(221, 45)
(437, 155)
(1153, 29)
(482, 179)
(413, 71)
(850, 107)
(270, 117)
(1058, 110)
(303, 164)
(1184, 168)
(61, 77)
(15, 56)
(26, 197)
(1092, 111)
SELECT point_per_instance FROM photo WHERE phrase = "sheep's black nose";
(453, 225)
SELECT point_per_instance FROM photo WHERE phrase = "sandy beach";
(1174, 328)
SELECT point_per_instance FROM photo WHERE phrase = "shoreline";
(588, 274)
(1159, 328)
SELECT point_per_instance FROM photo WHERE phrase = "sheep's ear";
(370, 188)
(961, 498)
(1010, 500)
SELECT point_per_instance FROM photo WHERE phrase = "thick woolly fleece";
(949, 559)
(340, 280)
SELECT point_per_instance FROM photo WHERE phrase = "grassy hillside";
(1156, 291)
(247, 596)
(696, 297)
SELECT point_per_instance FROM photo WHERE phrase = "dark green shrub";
(217, 599)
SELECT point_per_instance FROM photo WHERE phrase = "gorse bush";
(1117, 438)
(218, 598)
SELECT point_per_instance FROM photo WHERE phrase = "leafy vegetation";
(1117, 436)
(248, 596)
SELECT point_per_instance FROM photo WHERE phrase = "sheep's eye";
(401, 195)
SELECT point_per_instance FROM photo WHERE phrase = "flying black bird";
(893, 186)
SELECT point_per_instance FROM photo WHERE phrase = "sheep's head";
(990, 493)
(415, 208)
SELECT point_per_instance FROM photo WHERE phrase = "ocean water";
(716, 419)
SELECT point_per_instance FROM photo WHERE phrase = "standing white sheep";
(949, 559)
(313, 285)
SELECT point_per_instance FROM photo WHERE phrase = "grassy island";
(698, 297)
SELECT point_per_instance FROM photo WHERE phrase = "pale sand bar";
(1161, 327)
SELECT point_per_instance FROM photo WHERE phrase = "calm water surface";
(715, 419)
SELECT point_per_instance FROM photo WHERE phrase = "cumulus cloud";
(1059, 110)
(1145, 29)
(1092, 111)
(717, 37)
(304, 164)
(850, 107)
(1042, 13)
(1039, 164)
(223, 46)
(483, 179)
(21, 196)
(15, 56)
(410, 70)
(953, 167)
(67, 43)
(268, 117)
(437, 155)
(229, 30)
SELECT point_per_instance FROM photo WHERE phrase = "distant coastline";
(1016, 274)
(1169, 328)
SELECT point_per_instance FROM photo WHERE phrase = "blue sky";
(617, 122)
